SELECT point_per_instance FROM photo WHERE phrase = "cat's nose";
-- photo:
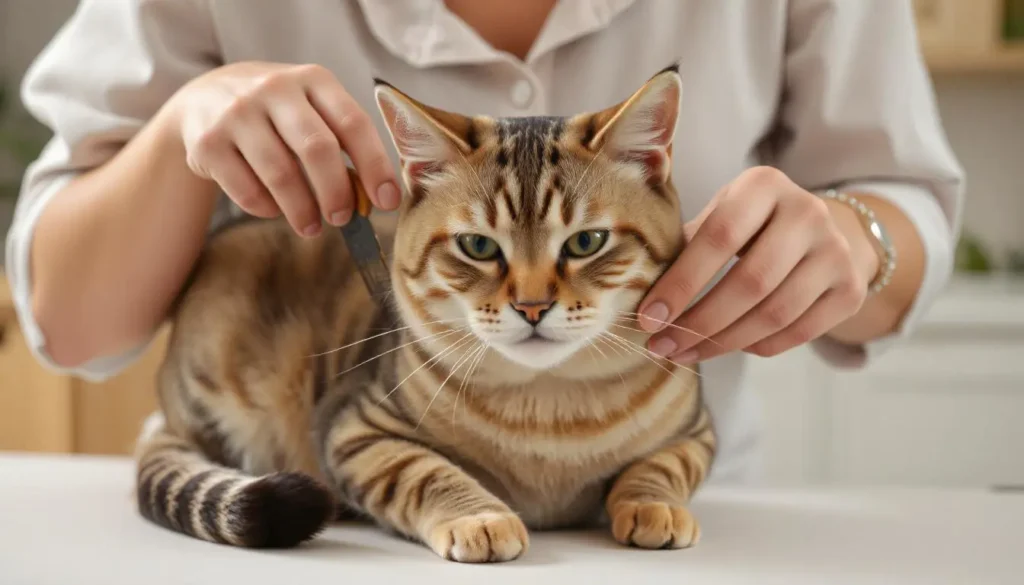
(533, 311)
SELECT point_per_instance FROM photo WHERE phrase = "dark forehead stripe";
(526, 145)
(501, 189)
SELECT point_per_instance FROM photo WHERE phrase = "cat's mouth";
(537, 351)
(537, 339)
(535, 336)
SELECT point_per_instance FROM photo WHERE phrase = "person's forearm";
(881, 313)
(112, 249)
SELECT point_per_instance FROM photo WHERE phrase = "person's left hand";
(797, 276)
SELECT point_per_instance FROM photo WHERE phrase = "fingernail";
(388, 196)
(664, 346)
(687, 357)
(311, 230)
(341, 217)
(653, 319)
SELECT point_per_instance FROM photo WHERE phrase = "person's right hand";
(273, 137)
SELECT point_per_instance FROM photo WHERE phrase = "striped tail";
(181, 490)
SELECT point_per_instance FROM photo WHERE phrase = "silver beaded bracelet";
(880, 236)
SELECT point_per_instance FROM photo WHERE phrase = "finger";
(735, 220)
(771, 258)
(821, 317)
(240, 183)
(690, 228)
(360, 139)
(279, 170)
(805, 285)
(319, 152)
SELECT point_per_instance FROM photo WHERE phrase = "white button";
(522, 93)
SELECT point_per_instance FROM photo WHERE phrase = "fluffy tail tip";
(281, 510)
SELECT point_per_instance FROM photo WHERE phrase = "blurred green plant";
(971, 255)
(22, 138)
(1013, 25)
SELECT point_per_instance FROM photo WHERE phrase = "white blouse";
(832, 92)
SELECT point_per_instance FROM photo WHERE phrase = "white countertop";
(71, 521)
(993, 301)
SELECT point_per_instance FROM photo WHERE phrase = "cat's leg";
(384, 471)
(647, 503)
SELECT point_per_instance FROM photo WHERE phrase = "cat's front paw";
(653, 525)
(480, 538)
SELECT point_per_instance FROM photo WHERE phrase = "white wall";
(25, 26)
(984, 116)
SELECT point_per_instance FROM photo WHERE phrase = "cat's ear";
(425, 137)
(641, 129)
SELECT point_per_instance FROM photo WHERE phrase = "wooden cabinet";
(943, 408)
(966, 36)
(44, 411)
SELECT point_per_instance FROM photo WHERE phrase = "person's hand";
(797, 276)
(272, 136)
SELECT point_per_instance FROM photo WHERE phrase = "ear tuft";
(671, 68)
(416, 137)
(426, 138)
(642, 128)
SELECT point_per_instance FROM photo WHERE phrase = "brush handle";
(363, 203)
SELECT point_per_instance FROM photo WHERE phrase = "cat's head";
(535, 234)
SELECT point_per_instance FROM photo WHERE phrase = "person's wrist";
(168, 141)
(863, 253)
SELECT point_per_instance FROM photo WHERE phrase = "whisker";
(394, 349)
(437, 357)
(472, 382)
(648, 353)
(476, 175)
(622, 381)
(626, 345)
(592, 345)
(365, 339)
(469, 374)
(600, 178)
(455, 368)
(586, 171)
(633, 317)
(387, 295)
(647, 332)
(619, 344)
(618, 351)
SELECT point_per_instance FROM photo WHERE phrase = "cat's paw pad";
(654, 525)
(481, 538)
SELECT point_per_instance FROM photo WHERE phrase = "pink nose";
(533, 311)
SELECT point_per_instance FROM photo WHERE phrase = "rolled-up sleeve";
(859, 113)
(103, 75)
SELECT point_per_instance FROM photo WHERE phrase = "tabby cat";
(503, 385)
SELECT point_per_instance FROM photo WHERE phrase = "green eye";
(586, 243)
(480, 248)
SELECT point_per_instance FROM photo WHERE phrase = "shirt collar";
(424, 33)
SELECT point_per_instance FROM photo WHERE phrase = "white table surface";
(71, 521)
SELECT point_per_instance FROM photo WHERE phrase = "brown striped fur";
(485, 397)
